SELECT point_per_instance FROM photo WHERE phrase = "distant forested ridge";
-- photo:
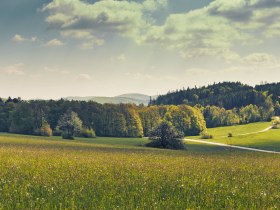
(228, 95)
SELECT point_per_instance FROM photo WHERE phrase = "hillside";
(228, 95)
(130, 98)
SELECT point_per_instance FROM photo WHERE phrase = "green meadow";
(119, 173)
(244, 135)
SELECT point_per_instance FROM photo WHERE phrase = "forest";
(228, 95)
(190, 111)
(39, 117)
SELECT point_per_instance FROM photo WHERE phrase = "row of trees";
(69, 118)
(122, 120)
(186, 119)
(217, 116)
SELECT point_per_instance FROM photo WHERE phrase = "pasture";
(244, 135)
(114, 173)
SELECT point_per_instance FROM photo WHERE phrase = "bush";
(57, 132)
(67, 136)
(176, 145)
(275, 123)
(45, 130)
(87, 133)
(274, 126)
(206, 135)
(230, 135)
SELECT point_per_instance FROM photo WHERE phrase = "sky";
(58, 48)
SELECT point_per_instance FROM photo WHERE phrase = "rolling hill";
(135, 98)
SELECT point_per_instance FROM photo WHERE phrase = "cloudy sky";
(58, 48)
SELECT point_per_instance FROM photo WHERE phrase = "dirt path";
(245, 134)
(234, 146)
(231, 146)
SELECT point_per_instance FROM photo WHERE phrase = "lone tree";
(166, 136)
(70, 124)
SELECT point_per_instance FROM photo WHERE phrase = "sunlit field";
(108, 173)
(269, 140)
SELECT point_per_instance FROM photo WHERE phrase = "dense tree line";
(227, 95)
(186, 119)
(217, 116)
(69, 118)
(189, 111)
(271, 88)
(228, 103)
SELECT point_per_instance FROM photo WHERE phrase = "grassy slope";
(239, 129)
(267, 140)
(111, 173)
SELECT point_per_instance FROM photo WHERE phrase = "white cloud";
(260, 60)
(82, 20)
(256, 63)
(15, 69)
(145, 77)
(54, 43)
(55, 70)
(256, 16)
(77, 34)
(89, 44)
(121, 57)
(33, 39)
(84, 77)
(197, 71)
(196, 34)
(19, 38)
(215, 30)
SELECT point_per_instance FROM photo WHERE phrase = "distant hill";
(135, 98)
(228, 95)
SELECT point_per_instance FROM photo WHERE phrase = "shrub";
(57, 132)
(87, 133)
(206, 135)
(275, 123)
(45, 130)
(66, 135)
(274, 126)
(230, 135)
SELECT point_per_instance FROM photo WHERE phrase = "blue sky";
(58, 48)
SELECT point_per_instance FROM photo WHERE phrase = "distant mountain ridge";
(135, 98)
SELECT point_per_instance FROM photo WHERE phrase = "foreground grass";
(36, 173)
(269, 140)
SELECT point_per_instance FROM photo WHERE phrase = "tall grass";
(38, 174)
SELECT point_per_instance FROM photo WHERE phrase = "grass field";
(269, 140)
(111, 173)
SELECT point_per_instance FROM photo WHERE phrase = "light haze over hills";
(135, 98)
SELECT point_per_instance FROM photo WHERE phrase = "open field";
(238, 129)
(108, 173)
(269, 140)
